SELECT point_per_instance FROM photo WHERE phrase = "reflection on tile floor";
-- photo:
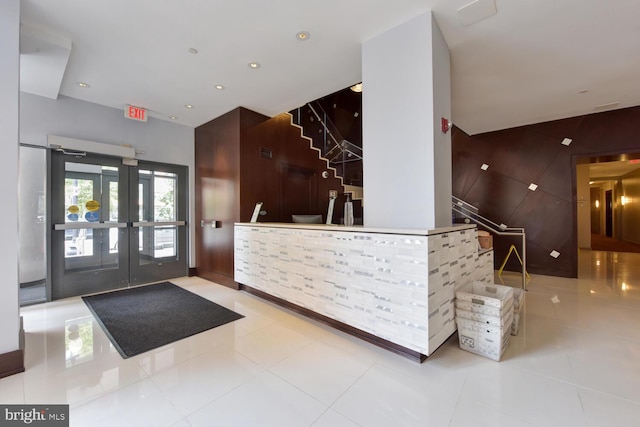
(573, 363)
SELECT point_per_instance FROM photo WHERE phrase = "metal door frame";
(65, 284)
(159, 268)
(129, 270)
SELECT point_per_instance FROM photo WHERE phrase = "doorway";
(115, 225)
(608, 199)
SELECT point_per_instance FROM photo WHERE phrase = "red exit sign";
(135, 113)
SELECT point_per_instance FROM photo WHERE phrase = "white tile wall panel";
(399, 287)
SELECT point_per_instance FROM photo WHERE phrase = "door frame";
(129, 270)
(168, 267)
(63, 285)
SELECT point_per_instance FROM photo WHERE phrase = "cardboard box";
(518, 303)
(484, 340)
(485, 239)
(479, 293)
(487, 319)
(483, 309)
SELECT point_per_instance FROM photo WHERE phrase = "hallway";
(604, 243)
(573, 363)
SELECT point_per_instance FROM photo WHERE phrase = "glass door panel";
(32, 221)
(160, 226)
(115, 225)
(89, 224)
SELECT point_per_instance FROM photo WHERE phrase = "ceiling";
(611, 170)
(532, 61)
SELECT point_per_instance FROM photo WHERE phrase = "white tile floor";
(574, 363)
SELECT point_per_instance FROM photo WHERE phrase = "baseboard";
(11, 363)
(365, 336)
(21, 337)
(218, 278)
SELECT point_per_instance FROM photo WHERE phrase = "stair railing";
(471, 212)
(336, 148)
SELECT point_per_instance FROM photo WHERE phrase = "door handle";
(214, 223)
(158, 223)
(89, 225)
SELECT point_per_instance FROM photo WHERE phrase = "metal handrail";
(345, 147)
(471, 212)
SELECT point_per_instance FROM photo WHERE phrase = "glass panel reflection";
(77, 192)
(157, 201)
(164, 241)
(78, 341)
(79, 252)
(164, 197)
(90, 197)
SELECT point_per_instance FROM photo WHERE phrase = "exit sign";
(135, 113)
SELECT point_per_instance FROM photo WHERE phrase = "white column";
(9, 125)
(407, 159)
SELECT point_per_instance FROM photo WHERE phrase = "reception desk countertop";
(359, 228)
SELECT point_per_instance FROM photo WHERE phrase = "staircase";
(342, 156)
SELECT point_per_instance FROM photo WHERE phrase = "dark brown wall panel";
(217, 158)
(243, 158)
(467, 157)
(262, 178)
(490, 187)
(552, 233)
(558, 173)
(527, 163)
(609, 131)
(534, 154)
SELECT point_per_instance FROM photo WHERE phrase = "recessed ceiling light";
(254, 64)
(173, 117)
(303, 35)
(193, 50)
(219, 87)
(356, 87)
(83, 85)
(188, 106)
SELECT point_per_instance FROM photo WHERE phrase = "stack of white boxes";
(484, 315)
(518, 303)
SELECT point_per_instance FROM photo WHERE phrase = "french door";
(115, 225)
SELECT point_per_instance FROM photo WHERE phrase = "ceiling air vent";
(266, 153)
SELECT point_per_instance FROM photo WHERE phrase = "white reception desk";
(392, 287)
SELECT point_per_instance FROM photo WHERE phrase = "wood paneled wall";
(265, 179)
(233, 172)
(535, 154)
(217, 159)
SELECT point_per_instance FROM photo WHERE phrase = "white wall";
(442, 141)
(399, 124)
(160, 140)
(9, 128)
